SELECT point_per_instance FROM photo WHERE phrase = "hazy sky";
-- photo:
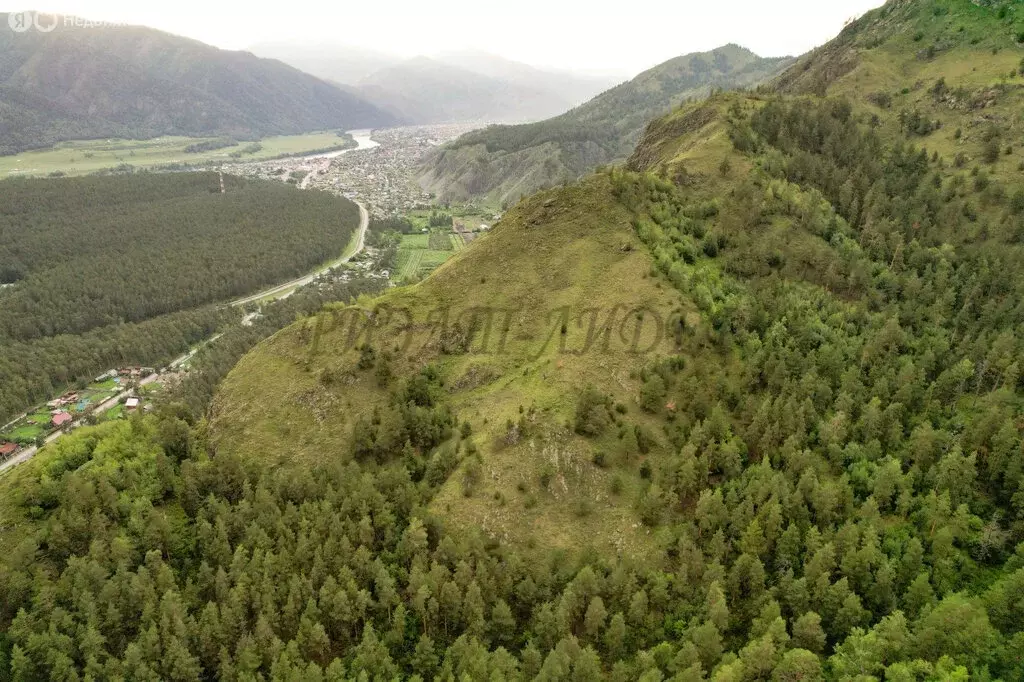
(620, 37)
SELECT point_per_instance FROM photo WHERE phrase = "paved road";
(364, 222)
(181, 360)
(29, 453)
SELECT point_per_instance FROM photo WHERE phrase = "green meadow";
(80, 157)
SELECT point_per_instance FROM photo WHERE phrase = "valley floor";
(82, 157)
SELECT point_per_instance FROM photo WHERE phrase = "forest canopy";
(122, 269)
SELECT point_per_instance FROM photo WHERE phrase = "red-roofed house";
(8, 449)
(60, 419)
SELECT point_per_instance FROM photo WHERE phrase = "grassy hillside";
(84, 157)
(504, 163)
(839, 381)
(534, 486)
(130, 82)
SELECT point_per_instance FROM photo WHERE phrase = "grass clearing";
(26, 433)
(116, 412)
(155, 388)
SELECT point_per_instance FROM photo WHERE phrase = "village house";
(66, 399)
(132, 404)
(60, 419)
(135, 372)
(7, 449)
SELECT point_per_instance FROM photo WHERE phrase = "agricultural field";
(81, 157)
(439, 241)
(28, 428)
(470, 214)
(421, 254)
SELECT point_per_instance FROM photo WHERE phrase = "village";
(383, 177)
(115, 394)
(380, 175)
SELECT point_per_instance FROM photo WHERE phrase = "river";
(362, 138)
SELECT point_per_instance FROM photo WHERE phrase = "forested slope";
(814, 472)
(99, 270)
(504, 163)
(124, 81)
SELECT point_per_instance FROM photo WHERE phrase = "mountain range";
(334, 63)
(76, 83)
(425, 90)
(464, 86)
(504, 163)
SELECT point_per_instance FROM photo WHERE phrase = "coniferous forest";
(106, 271)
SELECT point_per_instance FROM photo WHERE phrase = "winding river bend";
(362, 138)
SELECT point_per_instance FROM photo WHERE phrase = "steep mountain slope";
(424, 90)
(890, 48)
(509, 370)
(507, 162)
(138, 82)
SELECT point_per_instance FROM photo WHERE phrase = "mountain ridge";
(750, 220)
(455, 86)
(506, 162)
(139, 82)
(427, 90)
